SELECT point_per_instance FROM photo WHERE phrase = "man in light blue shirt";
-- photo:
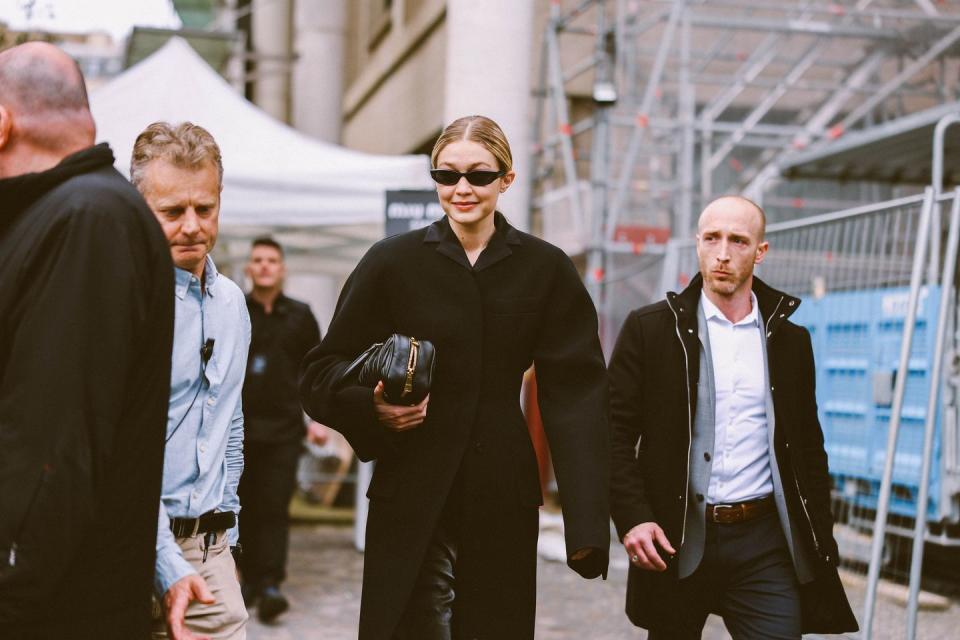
(179, 172)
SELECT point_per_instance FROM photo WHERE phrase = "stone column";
(317, 88)
(271, 40)
(489, 51)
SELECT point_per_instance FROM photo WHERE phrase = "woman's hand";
(398, 417)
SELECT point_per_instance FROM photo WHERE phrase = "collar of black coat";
(775, 306)
(504, 235)
(19, 192)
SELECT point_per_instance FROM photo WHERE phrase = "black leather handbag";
(404, 364)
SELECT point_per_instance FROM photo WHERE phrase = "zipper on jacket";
(803, 503)
(686, 367)
(766, 328)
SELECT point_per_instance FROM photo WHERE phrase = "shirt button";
(706, 456)
(210, 401)
(203, 448)
(478, 446)
(699, 497)
(196, 495)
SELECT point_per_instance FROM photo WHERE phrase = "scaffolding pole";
(710, 97)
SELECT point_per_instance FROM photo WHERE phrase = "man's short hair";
(763, 215)
(748, 201)
(185, 145)
(266, 241)
(36, 84)
(47, 92)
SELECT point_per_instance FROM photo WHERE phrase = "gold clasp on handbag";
(411, 366)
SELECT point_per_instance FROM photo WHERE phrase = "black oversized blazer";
(654, 372)
(521, 303)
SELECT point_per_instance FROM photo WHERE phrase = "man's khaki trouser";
(226, 618)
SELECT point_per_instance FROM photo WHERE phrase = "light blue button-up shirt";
(203, 458)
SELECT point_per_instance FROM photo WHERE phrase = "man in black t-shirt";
(283, 331)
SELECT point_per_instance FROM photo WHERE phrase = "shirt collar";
(711, 311)
(183, 278)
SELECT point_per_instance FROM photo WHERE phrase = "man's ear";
(6, 126)
(762, 249)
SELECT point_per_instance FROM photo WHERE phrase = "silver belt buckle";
(720, 509)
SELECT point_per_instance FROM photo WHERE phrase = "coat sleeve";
(359, 320)
(628, 500)
(572, 394)
(60, 405)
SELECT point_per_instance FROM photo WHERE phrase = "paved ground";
(324, 592)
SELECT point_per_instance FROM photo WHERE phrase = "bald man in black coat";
(86, 324)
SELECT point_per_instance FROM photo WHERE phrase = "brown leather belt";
(732, 513)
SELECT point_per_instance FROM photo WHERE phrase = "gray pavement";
(324, 592)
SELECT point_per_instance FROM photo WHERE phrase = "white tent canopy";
(274, 176)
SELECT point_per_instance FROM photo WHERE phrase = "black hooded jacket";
(86, 325)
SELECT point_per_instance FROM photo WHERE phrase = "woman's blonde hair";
(184, 145)
(480, 129)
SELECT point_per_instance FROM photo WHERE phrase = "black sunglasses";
(476, 178)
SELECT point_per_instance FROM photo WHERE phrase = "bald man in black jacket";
(86, 324)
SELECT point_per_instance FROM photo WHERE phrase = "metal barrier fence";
(878, 290)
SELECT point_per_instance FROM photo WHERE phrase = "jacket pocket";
(384, 483)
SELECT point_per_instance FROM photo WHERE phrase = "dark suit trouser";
(746, 577)
(266, 487)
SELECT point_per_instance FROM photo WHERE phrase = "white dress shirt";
(741, 455)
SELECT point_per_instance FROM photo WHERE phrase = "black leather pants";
(430, 609)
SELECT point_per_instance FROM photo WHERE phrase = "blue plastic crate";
(856, 339)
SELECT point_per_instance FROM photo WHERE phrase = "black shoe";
(250, 594)
(272, 604)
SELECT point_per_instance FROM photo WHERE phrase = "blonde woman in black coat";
(453, 522)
